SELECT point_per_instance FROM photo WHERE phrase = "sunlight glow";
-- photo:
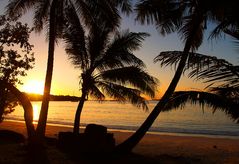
(33, 86)
(36, 111)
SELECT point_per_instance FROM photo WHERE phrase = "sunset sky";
(66, 78)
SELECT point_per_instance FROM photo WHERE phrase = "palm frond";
(225, 16)
(74, 36)
(125, 6)
(168, 58)
(226, 91)
(98, 39)
(84, 12)
(123, 76)
(217, 32)
(94, 92)
(166, 15)
(41, 14)
(203, 67)
(119, 52)
(104, 12)
(232, 32)
(213, 101)
(131, 40)
(223, 73)
(123, 94)
(17, 8)
(192, 29)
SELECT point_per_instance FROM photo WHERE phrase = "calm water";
(189, 120)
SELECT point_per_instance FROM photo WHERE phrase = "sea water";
(190, 120)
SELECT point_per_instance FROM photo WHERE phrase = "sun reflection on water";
(36, 110)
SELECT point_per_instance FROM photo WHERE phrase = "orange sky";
(65, 77)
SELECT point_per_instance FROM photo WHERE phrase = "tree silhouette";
(51, 13)
(13, 38)
(109, 67)
(189, 18)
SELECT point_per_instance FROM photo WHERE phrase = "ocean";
(191, 120)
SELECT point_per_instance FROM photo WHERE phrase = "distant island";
(38, 97)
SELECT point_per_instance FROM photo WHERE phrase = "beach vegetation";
(109, 68)
(222, 91)
(51, 14)
(222, 77)
(189, 18)
(45, 13)
(16, 58)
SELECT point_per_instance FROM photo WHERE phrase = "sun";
(33, 86)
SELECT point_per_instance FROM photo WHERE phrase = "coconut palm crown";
(109, 67)
(189, 18)
(222, 92)
(50, 13)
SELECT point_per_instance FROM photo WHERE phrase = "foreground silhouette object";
(189, 20)
(95, 140)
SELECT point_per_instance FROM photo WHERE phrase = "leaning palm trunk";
(27, 106)
(133, 140)
(76, 129)
(46, 97)
(192, 36)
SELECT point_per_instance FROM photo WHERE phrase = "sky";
(66, 77)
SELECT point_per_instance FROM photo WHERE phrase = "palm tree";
(46, 12)
(14, 65)
(189, 18)
(222, 91)
(27, 106)
(203, 67)
(51, 12)
(109, 67)
(224, 99)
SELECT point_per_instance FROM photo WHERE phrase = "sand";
(182, 149)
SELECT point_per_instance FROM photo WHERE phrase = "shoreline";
(149, 132)
(203, 149)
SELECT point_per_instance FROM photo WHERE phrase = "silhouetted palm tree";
(221, 94)
(223, 78)
(208, 68)
(27, 106)
(215, 99)
(109, 67)
(51, 13)
(189, 18)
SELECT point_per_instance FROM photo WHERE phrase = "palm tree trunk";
(41, 127)
(3, 99)
(133, 140)
(27, 106)
(76, 129)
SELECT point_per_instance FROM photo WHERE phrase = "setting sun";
(33, 86)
